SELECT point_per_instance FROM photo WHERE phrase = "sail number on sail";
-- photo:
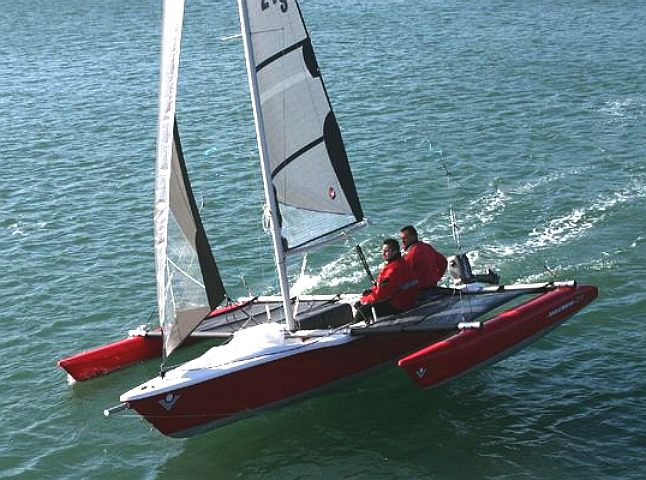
(264, 4)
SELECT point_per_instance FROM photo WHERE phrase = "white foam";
(340, 271)
(551, 177)
(562, 229)
(17, 229)
(570, 226)
(617, 108)
(574, 224)
(304, 283)
(492, 206)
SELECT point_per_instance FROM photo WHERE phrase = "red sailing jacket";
(396, 282)
(428, 264)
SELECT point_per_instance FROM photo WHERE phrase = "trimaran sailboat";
(282, 348)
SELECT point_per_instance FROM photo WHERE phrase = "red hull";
(122, 353)
(497, 338)
(105, 359)
(182, 411)
(200, 407)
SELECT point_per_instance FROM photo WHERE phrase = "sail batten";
(295, 155)
(282, 53)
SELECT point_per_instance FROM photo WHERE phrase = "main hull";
(198, 399)
(186, 411)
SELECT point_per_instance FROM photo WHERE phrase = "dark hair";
(392, 243)
(409, 229)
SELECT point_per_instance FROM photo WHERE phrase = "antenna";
(455, 228)
(549, 270)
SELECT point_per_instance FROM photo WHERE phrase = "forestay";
(309, 171)
(188, 282)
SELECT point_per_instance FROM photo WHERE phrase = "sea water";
(526, 118)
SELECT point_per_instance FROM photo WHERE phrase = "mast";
(263, 150)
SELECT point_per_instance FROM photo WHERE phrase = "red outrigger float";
(495, 338)
(140, 345)
(113, 356)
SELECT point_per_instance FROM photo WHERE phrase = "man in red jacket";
(396, 290)
(428, 264)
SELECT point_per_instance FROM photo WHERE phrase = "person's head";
(408, 234)
(390, 249)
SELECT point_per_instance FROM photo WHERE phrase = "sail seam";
(295, 155)
(331, 234)
(186, 274)
(280, 54)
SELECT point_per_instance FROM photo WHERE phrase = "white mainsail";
(188, 282)
(309, 188)
(308, 168)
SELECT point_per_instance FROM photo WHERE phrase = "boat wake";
(491, 206)
(560, 230)
(22, 229)
(628, 107)
(573, 225)
(340, 271)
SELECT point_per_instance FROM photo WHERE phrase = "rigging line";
(453, 218)
(230, 37)
(344, 232)
(185, 273)
(247, 286)
(251, 319)
(446, 169)
(364, 263)
(150, 315)
(550, 271)
(248, 317)
(455, 228)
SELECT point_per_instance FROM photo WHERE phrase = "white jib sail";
(171, 40)
(188, 282)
